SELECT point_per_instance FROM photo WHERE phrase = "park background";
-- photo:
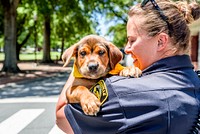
(33, 36)
(37, 32)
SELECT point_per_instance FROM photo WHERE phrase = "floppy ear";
(70, 52)
(115, 55)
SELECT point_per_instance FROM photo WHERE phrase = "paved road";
(29, 107)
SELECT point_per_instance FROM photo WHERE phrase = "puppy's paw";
(131, 71)
(90, 104)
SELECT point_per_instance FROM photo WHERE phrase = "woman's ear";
(162, 41)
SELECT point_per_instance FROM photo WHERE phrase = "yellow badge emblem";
(100, 91)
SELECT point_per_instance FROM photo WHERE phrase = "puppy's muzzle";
(93, 67)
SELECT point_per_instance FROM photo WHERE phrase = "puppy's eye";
(101, 52)
(82, 53)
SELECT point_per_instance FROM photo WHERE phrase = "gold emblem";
(100, 91)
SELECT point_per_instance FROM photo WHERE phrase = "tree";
(10, 13)
(118, 15)
(21, 31)
(115, 12)
(1, 27)
(70, 20)
(46, 8)
(71, 23)
(47, 41)
(25, 24)
(1, 21)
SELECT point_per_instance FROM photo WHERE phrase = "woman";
(166, 98)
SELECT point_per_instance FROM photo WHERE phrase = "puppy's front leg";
(89, 102)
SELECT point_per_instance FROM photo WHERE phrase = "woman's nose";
(127, 49)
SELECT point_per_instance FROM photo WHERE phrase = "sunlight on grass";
(1, 56)
(31, 56)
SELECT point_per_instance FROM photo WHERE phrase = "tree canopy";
(51, 25)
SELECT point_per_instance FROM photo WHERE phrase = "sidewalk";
(33, 71)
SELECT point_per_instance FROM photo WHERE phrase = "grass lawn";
(31, 56)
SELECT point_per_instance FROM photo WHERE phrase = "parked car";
(128, 60)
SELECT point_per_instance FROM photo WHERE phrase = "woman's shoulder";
(125, 85)
(153, 82)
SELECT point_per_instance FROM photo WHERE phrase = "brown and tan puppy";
(94, 57)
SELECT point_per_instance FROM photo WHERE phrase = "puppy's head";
(94, 56)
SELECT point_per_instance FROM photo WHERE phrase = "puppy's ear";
(69, 53)
(115, 55)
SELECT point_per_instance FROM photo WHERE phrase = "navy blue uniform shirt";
(164, 100)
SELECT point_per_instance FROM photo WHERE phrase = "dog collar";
(115, 71)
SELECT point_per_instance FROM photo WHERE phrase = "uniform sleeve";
(109, 119)
(139, 106)
(127, 109)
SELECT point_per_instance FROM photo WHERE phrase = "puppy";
(94, 58)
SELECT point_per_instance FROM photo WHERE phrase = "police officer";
(166, 98)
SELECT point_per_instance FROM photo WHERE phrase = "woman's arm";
(61, 120)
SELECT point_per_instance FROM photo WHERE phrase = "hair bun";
(195, 10)
(190, 11)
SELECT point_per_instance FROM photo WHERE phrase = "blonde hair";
(179, 15)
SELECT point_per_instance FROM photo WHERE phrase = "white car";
(128, 60)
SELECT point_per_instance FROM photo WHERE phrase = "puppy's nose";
(93, 66)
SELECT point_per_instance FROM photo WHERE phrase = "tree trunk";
(10, 13)
(62, 46)
(19, 46)
(47, 43)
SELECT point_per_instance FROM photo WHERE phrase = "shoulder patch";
(100, 91)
